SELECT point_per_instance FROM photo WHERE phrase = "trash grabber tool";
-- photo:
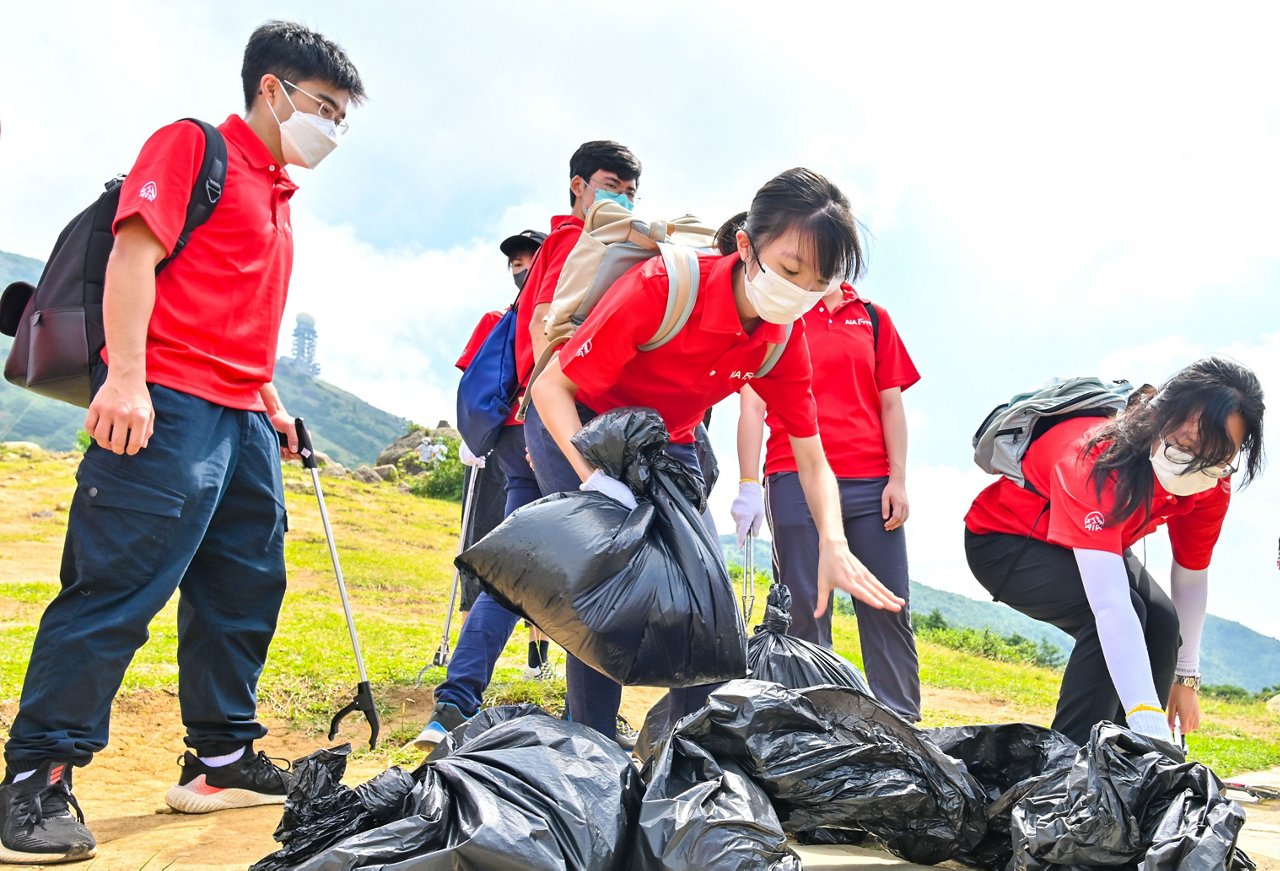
(749, 580)
(363, 701)
(441, 657)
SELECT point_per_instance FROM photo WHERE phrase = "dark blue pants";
(489, 625)
(888, 642)
(200, 510)
(591, 697)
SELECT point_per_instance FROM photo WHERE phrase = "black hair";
(726, 241)
(801, 199)
(591, 157)
(1211, 389)
(291, 51)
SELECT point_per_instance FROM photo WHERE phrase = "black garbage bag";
(1008, 761)
(1129, 802)
(701, 813)
(319, 811)
(488, 501)
(529, 793)
(835, 757)
(772, 655)
(482, 722)
(642, 595)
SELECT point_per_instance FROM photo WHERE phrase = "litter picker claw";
(363, 701)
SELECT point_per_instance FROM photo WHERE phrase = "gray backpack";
(1005, 434)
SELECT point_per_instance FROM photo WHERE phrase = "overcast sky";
(1049, 191)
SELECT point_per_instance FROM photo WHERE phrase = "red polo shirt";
(214, 329)
(711, 358)
(540, 287)
(1077, 516)
(850, 368)
(487, 322)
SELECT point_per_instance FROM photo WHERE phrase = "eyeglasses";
(326, 111)
(614, 187)
(1183, 457)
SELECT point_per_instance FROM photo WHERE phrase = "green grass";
(396, 552)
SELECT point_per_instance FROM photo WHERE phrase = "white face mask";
(305, 139)
(777, 300)
(1175, 478)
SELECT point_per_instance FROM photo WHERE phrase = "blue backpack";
(489, 387)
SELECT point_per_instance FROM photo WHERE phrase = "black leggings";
(1045, 585)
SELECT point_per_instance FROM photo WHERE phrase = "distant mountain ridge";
(1230, 652)
(342, 425)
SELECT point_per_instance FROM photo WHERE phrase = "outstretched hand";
(838, 569)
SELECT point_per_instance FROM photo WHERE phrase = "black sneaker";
(37, 827)
(444, 719)
(253, 779)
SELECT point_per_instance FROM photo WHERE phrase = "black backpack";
(57, 325)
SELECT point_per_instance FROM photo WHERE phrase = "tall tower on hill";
(304, 344)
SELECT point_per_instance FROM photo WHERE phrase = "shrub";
(443, 478)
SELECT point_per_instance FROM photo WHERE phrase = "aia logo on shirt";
(858, 322)
(585, 349)
(148, 192)
(1093, 521)
(741, 376)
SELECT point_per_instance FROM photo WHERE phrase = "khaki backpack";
(613, 241)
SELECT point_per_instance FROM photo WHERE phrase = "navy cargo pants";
(201, 511)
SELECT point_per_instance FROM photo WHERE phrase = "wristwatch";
(1188, 680)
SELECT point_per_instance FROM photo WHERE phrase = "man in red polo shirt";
(596, 169)
(181, 487)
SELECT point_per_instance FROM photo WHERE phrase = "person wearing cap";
(488, 625)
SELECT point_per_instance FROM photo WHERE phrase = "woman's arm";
(1189, 589)
(1106, 586)
(751, 411)
(838, 569)
(894, 508)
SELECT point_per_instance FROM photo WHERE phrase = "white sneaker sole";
(188, 801)
(12, 857)
(425, 741)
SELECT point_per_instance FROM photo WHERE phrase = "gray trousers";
(888, 644)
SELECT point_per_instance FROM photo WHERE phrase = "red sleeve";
(544, 274)
(159, 186)
(1193, 535)
(478, 335)
(894, 367)
(1077, 517)
(788, 388)
(626, 317)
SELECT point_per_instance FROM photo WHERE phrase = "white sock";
(219, 761)
(18, 778)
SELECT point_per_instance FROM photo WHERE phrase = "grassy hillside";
(396, 552)
(342, 425)
(1231, 653)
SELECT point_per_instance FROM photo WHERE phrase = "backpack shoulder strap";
(773, 353)
(207, 189)
(683, 279)
(873, 314)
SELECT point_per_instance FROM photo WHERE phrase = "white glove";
(748, 510)
(611, 487)
(1153, 724)
(468, 458)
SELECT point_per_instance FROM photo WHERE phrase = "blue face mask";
(619, 198)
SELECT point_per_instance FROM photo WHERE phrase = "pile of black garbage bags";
(724, 787)
(800, 750)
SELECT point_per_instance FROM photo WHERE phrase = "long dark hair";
(1212, 389)
(801, 199)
